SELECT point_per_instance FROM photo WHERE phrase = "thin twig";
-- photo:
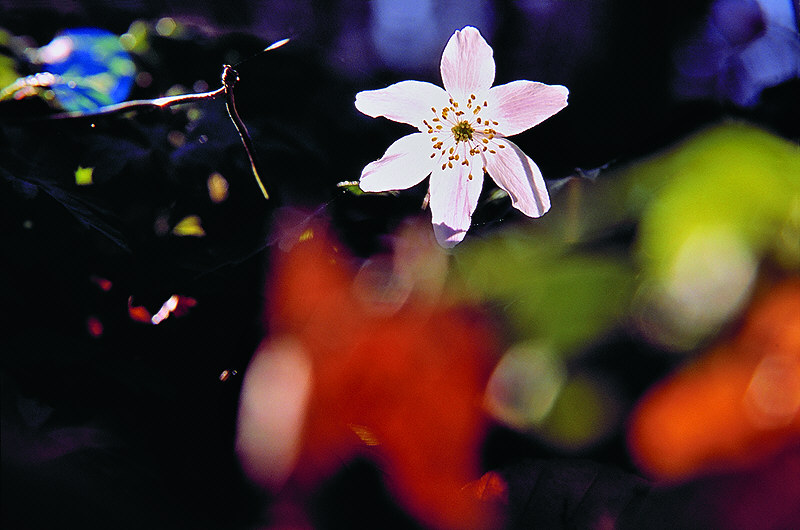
(229, 79)
(140, 104)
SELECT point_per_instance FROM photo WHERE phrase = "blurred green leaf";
(584, 413)
(732, 175)
(550, 292)
(8, 73)
(83, 176)
(710, 211)
(189, 226)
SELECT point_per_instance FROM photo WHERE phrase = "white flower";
(463, 133)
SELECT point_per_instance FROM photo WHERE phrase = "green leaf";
(733, 175)
(83, 176)
(189, 226)
(351, 186)
(550, 292)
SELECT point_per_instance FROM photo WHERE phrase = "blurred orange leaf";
(138, 313)
(736, 405)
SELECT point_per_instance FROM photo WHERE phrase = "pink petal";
(519, 105)
(467, 65)
(519, 176)
(453, 199)
(405, 164)
(407, 102)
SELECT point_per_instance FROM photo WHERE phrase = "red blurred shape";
(176, 304)
(103, 283)
(94, 326)
(490, 487)
(183, 305)
(737, 405)
(405, 387)
(138, 313)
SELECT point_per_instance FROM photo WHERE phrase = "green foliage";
(706, 213)
(550, 292)
(733, 175)
(351, 187)
(583, 413)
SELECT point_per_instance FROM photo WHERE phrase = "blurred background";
(647, 370)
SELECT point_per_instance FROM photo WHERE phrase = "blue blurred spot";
(410, 36)
(744, 47)
(93, 68)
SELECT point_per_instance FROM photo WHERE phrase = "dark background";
(134, 429)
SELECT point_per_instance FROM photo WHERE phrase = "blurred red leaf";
(138, 313)
(94, 326)
(103, 283)
(404, 387)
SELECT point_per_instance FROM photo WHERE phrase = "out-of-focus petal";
(519, 176)
(406, 102)
(454, 196)
(467, 64)
(275, 394)
(519, 105)
(405, 164)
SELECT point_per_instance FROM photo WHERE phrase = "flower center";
(462, 131)
(472, 135)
